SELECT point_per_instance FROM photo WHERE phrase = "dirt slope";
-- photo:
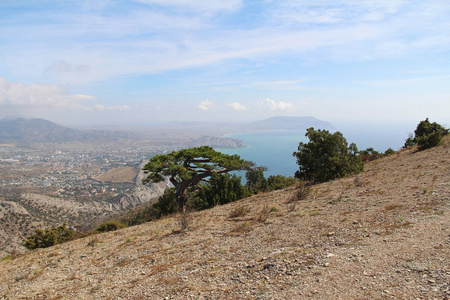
(384, 234)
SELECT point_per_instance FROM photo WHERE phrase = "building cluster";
(69, 172)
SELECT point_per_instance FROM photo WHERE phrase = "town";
(75, 172)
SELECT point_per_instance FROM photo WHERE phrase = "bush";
(389, 151)
(326, 156)
(302, 192)
(278, 182)
(220, 190)
(166, 205)
(427, 135)
(256, 181)
(369, 155)
(110, 226)
(49, 237)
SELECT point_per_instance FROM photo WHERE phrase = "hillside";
(384, 234)
(42, 131)
(287, 123)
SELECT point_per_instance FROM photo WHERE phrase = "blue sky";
(145, 61)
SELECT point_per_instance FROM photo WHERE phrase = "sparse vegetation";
(184, 220)
(49, 237)
(111, 225)
(301, 192)
(239, 211)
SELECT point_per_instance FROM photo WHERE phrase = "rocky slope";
(28, 211)
(384, 234)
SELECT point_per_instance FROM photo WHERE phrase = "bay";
(271, 149)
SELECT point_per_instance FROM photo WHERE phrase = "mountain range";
(43, 131)
(189, 134)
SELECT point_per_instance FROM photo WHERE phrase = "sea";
(270, 149)
(274, 149)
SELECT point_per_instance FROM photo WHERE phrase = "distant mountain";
(43, 131)
(287, 123)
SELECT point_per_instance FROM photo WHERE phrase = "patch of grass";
(264, 214)
(93, 241)
(302, 192)
(37, 272)
(123, 262)
(392, 207)
(239, 211)
(184, 220)
(7, 258)
(242, 228)
(399, 225)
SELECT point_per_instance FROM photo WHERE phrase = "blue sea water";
(271, 149)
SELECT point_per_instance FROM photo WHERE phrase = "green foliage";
(110, 226)
(389, 151)
(369, 155)
(188, 164)
(220, 190)
(186, 168)
(49, 237)
(166, 205)
(326, 156)
(426, 135)
(409, 142)
(278, 182)
(256, 181)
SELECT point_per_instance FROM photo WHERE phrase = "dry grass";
(392, 207)
(239, 211)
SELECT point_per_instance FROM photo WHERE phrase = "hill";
(43, 131)
(384, 234)
(287, 123)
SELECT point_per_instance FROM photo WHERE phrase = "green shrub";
(427, 135)
(221, 189)
(256, 181)
(326, 156)
(389, 151)
(49, 237)
(278, 182)
(110, 226)
(167, 204)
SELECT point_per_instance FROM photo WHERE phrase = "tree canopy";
(187, 168)
(326, 156)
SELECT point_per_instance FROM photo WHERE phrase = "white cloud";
(277, 105)
(237, 106)
(205, 105)
(39, 96)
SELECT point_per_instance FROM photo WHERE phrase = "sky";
(138, 62)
